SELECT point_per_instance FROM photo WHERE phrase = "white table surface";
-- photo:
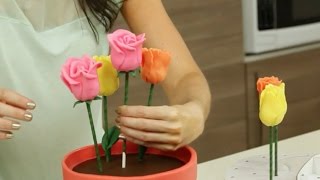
(304, 144)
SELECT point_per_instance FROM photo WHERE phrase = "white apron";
(36, 37)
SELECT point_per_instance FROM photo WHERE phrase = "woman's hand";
(13, 107)
(161, 127)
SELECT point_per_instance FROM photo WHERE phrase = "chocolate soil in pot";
(151, 164)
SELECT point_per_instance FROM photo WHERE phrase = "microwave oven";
(276, 24)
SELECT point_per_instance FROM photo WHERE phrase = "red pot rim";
(187, 165)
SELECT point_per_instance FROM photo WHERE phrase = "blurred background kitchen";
(235, 42)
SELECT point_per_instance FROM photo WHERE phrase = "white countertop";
(304, 144)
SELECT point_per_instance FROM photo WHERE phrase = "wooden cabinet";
(301, 73)
(225, 130)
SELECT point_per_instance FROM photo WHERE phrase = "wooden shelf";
(282, 52)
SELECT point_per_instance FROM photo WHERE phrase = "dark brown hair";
(105, 11)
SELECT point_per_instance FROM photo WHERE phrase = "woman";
(35, 39)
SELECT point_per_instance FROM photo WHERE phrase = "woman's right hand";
(13, 108)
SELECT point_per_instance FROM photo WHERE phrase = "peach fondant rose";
(80, 76)
(154, 65)
(126, 50)
(262, 82)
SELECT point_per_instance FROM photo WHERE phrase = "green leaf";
(121, 72)
(114, 133)
(88, 102)
(78, 102)
(133, 73)
(97, 98)
(104, 142)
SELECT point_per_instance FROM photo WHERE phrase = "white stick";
(123, 160)
(124, 156)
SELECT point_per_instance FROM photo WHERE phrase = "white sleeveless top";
(36, 37)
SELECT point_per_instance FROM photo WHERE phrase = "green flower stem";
(126, 90)
(94, 137)
(143, 149)
(276, 131)
(106, 127)
(150, 94)
(271, 153)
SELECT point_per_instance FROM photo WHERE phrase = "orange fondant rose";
(154, 65)
(262, 82)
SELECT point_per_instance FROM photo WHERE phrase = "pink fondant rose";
(80, 76)
(126, 50)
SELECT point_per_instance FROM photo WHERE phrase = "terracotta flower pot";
(186, 172)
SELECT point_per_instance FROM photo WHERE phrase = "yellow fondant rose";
(108, 76)
(273, 105)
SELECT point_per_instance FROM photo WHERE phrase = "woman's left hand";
(161, 127)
